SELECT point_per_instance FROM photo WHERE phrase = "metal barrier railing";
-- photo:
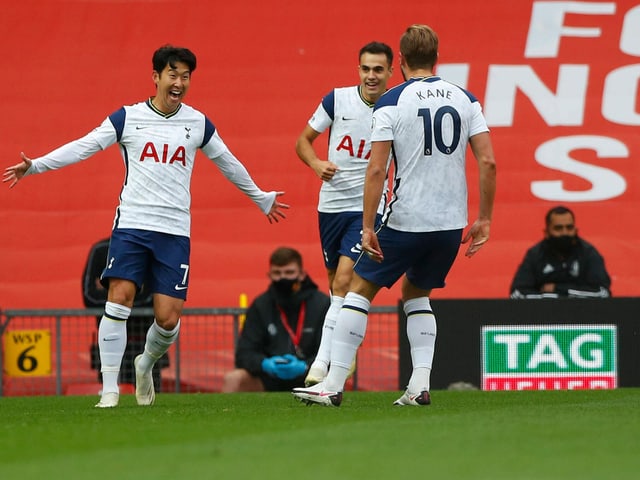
(198, 360)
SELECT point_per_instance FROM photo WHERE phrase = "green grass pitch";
(462, 435)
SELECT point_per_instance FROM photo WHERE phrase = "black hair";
(378, 47)
(170, 55)
(558, 210)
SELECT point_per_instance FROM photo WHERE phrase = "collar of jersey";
(366, 102)
(162, 114)
(430, 78)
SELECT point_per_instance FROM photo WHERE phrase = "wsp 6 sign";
(27, 353)
(549, 357)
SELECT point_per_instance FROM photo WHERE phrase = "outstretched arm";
(275, 212)
(14, 173)
(68, 154)
(237, 174)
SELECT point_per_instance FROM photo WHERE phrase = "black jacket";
(581, 273)
(264, 335)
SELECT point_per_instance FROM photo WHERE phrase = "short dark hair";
(285, 255)
(557, 210)
(375, 48)
(170, 55)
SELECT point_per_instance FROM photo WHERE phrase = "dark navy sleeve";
(390, 97)
(469, 95)
(328, 103)
(117, 119)
(209, 130)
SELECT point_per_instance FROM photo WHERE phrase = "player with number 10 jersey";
(429, 187)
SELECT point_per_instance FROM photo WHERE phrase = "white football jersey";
(348, 115)
(158, 152)
(429, 121)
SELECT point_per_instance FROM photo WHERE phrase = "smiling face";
(172, 84)
(374, 73)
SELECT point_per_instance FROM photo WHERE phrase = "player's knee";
(340, 285)
(121, 292)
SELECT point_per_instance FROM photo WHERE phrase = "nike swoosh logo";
(355, 250)
(347, 119)
(109, 339)
(138, 127)
(330, 395)
(178, 287)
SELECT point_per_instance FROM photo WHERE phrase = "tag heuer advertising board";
(549, 357)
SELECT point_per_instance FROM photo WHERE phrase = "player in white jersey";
(150, 242)
(347, 113)
(429, 123)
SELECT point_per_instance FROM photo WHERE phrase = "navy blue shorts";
(159, 260)
(425, 257)
(340, 234)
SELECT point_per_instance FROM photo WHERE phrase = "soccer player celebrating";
(150, 240)
(346, 112)
(429, 123)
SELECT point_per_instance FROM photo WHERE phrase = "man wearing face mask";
(282, 330)
(562, 264)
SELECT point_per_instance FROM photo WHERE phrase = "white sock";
(158, 342)
(112, 340)
(421, 331)
(351, 325)
(324, 351)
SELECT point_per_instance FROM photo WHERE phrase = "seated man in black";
(95, 296)
(282, 330)
(562, 264)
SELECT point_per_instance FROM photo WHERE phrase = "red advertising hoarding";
(558, 82)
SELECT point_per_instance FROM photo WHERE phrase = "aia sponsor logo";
(166, 155)
(355, 149)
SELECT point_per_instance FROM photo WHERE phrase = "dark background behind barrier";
(458, 345)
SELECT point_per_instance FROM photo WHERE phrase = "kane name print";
(435, 93)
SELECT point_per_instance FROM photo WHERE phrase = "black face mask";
(562, 244)
(285, 286)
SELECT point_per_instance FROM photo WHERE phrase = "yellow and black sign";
(27, 353)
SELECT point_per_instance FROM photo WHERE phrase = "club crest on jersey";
(149, 152)
(348, 144)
